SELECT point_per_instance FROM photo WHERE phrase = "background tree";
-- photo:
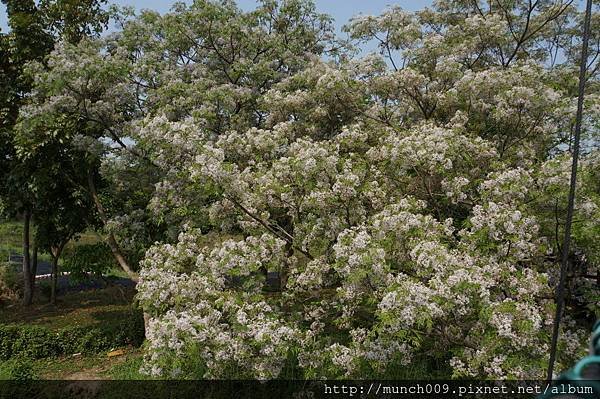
(27, 41)
(65, 209)
(34, 29)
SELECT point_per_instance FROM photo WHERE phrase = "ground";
(78, 304)
(84, 308)
(95, 367)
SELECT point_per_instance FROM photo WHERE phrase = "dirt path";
(87, 375)
(85, 368)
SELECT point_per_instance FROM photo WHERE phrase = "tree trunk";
(112, 242)
(54, 279)
(27, 288)
(118, 255)
(56, 252)
(146, 321)
(34, 263)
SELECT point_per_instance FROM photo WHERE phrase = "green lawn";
(100, 366)
(11, 240)
(73, 308)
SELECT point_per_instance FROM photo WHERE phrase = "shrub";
(45, 288)
(18, 369)
(36, 342)
(9, 283)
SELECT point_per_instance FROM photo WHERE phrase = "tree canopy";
(37, 179)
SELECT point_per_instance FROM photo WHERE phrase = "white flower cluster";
(189, 290)
(404, 210)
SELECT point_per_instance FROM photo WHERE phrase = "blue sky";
(341, 10)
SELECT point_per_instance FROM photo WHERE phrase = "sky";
(340, 10)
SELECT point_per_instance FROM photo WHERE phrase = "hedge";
(37, 342)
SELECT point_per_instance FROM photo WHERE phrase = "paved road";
(42, 268)
(64, 282)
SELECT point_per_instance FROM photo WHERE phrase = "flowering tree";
(351, 215)
(209, 61)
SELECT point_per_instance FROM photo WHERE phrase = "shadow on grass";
(73, 308)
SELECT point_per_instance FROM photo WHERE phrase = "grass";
(11, 240)
(116, 272)
(93, 367)
(128, 369)
(90, 367)
(84, 308)
(74, 308)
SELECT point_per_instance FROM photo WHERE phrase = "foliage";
(128, 370)
(43, 181)
(88, 259)
(36, 342)
(270, 44)
(408, 202)
(418, 222)
(9, 283)
(10, 238)
(30, 39)
(19, 369)
(73, 20)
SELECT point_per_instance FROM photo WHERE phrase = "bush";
(128, 370)
(36, 342)
(9, 283)
(18, 369)
(45, 288)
